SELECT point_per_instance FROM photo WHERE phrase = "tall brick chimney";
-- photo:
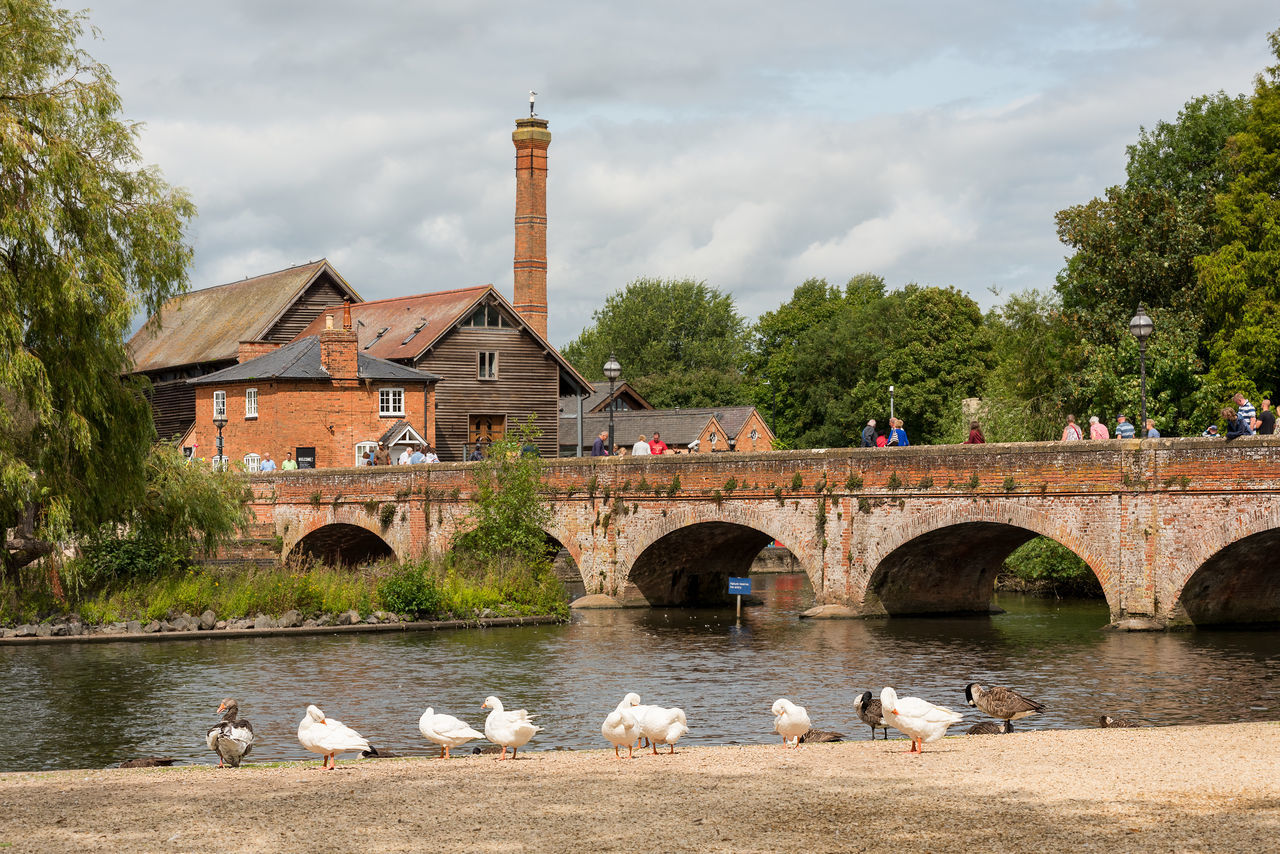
(532, 139)
(338, 347)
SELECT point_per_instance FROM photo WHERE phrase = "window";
(755, 434)
(218, 463)
(488, 365)
(219, 404)
(390, 402)
(487, 316)
(188, 452)
(712, 437)
(251, 403)
(251, 462)
(364, 448)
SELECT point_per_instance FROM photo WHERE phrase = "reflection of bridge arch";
(341, 544)
(947, 562)
(1234, 579)
(688, 555)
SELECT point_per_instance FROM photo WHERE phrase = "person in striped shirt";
(1246, 413)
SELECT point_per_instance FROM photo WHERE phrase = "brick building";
(709, 430)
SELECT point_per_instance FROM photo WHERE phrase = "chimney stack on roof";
(532, 139)
(339, 347)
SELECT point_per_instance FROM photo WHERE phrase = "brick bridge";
(1177, 531)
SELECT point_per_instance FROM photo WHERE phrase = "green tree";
(88, 236)
(1241, 277)
(680, 343)
(508, 513)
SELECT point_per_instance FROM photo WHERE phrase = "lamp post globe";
(1141, 327)
(220, 421)
(891, 403)
(612, 370)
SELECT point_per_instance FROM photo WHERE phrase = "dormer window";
(487, 315)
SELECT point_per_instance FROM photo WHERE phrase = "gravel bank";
(1170, 789)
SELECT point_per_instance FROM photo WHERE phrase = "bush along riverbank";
(165, 598)
(1045, 567)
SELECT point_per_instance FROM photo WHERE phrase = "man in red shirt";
(657, 446)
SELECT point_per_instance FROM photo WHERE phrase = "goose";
(328, 737)
(661, 726)
(821, 736)
(921, 720)
(445, 730)
(621, 726)
(149, 762)
(869, 711)
(990, 728)
(509, 729)
(1108, 722)
(790, 721)
(231, 738)
(1003, 703)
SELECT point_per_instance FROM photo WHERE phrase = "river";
(93, 705)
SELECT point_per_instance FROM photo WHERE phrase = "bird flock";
(633, 725)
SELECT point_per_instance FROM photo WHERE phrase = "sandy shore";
(1170, 789)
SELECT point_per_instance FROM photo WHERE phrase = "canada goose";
(1003, 703)
(870, 712)
(990, 728)
(148, 762)
(821, 736)
(1108, 722)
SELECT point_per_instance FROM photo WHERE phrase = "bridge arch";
(686, 557)
(945, 560)
(341, 544)
(1235, 580)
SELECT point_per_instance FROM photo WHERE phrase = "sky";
(748, 145)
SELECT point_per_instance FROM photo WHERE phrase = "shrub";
(411, 589)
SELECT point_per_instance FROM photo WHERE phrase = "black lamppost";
(220, 421)
(1141, 327)
(612, 370)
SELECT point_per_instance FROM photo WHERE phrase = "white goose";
(921, 720)
(661, 726)
(509, 729)
(328, 737)
(445, 730)
(790, 721)
(621, 726)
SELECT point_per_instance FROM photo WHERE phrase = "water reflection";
(95, 704)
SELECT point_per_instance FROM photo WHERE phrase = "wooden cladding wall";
(173, 407)
(528, 383)
(323, 293)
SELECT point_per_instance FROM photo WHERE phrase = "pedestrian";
(640, 448)
(289, 464)
(898, 435)
(382, 457)
(417, 457)
(1071, 433)
(267, 464)
(619, 450)
(869, 434)
(404, 457)
(529, 449)
(1097, 430)
(600, 447)
(1124, 430)
(975, 435)
(657, 446)
(431, 455)
(1152, 432)
(1211, 432)
(1246, 413)
(881, 441)
(1266, 419)
(477, 453)
(1235, 424)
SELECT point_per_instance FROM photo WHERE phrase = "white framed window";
(218, 463)
(219, 404)
(488, 365)
(363, 448)
(712, 438)
(251, 403)
(251, 462)
(390, 402)
(755, 434)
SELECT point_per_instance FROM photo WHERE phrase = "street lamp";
(220, 421)
(891, 403)
(1141, 327)
(612, 370)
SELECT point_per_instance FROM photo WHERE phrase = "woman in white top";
(641, 448)
(1072, 432)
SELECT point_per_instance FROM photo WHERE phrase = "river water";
(93, 705)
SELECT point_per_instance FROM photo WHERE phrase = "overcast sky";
(750, 145)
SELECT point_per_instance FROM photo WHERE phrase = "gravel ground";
(1207, 788)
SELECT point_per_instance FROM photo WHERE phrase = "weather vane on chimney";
(532, 95)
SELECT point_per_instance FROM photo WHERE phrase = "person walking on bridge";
(1266, 419)
(869, 434)
(1097, 430)
(1246, 413)
(1124, 430)
(1071, 433)
(600, 447)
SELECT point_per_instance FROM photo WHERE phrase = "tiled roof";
(300, 360)
(207, 325)
(600, 396)
(677, 426)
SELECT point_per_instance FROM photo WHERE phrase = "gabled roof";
(396, 432)
(207, 325)
(600, 398)
(414, 324)
(678, 426)
(300, 360)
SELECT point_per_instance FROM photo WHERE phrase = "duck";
(790, 721)
(990, 728)
(508, 729)
(1108, 722)
(870, 712)
(232, 737)
(621, 726)
(328, 737)
(662, 726)
(1004, 703)
(919, 719)
(445, 730)
(821, 736)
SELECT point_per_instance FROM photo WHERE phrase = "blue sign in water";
(739, 586)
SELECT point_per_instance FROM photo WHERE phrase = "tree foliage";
(88, 236)
(681, 343)
(508, 513)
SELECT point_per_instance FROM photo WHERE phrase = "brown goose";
(991, 728)
(1108, 722)
(232, 738)
(148, 762)
(1003, 703)
(869, 711)
(821, 736)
